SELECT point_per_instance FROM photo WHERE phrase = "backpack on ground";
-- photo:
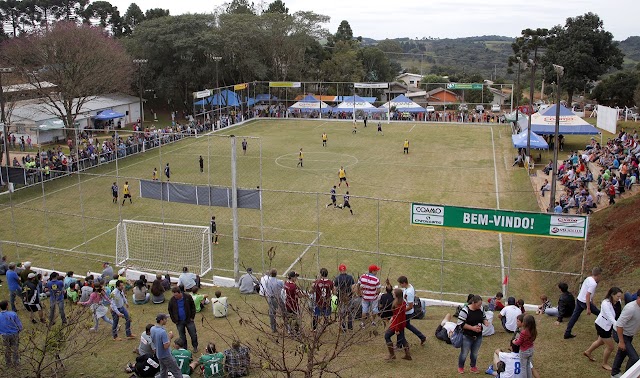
(418, 310)
(457, 336)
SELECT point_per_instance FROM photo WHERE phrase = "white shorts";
(373, 305)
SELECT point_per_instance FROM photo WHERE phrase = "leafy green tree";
(344, 32)
(277, 7)
(432, 78)
(376, 65)
(389, 46)
(344, 64)
(132, 17)
(241, 7)
(585, 50)
(636, 96)
(618, 89)
(155, 13)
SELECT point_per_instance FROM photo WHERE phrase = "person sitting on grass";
(236, 360)
(146, 366)
(211, 363)
(199, 299)
(219, 305)
(546, 303)
(495, 303)
(157, 290)
(140, 294)
(445, 329)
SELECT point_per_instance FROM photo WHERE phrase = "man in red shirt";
(322, 288)
(369, 287)
(291, 305)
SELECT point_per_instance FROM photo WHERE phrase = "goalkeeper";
(214, 231)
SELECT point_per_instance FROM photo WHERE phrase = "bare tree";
(47, 350)
(82, 61)
(294, 351)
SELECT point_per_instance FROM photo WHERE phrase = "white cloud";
(444, 19)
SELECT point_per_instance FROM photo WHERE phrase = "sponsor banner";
(371, 85)
(464, 86)
(202, 94)
(285, 84)
(239, 87)
(516, 222)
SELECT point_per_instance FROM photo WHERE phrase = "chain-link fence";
(70, 223)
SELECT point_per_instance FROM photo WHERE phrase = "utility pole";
(532, 62)
(5, 127)
(140, 62)
(559, 70)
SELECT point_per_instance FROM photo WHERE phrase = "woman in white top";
(605, 323)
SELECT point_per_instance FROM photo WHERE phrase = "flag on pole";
(506, 280)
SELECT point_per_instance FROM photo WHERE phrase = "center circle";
(317, 161)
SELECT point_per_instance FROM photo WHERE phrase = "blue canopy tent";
(544, 123)
(310, 104)
(108, 114)
(350, 99)
(224, 98)
(403, 104)
(537, 142)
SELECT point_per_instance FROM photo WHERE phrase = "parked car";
(495, 108)
(430, 109)
(479, 108)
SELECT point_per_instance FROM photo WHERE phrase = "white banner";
(371, 85)
(202, 94)
(607, 118)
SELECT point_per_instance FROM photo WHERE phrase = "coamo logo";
(569, 221)
(428, 210)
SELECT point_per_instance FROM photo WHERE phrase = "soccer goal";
(163, 247)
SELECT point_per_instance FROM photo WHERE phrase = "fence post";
(442, 267)
(318, 230)
(234, 209)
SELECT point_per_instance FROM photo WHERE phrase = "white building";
(37, 119)
(410, 79)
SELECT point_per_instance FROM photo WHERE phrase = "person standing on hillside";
(343, 284)
(409, 298)
(370, 288)
(10, 328)
(56, 289)
(182, 310)
(15, 286)
(471, 319)
(627, 326)
(585, 300)
(162, 340)
(323, 289)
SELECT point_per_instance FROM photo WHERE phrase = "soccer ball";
(339, 206)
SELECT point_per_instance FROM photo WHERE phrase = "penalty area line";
(297, 260)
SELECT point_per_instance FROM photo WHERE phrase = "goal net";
(163, 247)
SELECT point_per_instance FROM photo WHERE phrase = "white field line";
(495, 170)
(97, 236)
(412, 128)
(302, 254)
(321, 124)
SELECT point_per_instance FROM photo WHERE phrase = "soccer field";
(74, 224)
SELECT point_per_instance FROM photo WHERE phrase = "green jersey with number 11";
(212, 365)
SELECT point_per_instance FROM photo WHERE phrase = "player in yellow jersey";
(406, 146)
(126, 192)
(342, 176)
(324, 139)
(300, 157)
(154, 175)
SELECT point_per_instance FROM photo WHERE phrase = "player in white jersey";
(506, 365)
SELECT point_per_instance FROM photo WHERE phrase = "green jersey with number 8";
(211, 365)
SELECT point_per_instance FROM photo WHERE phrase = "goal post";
(163, 247)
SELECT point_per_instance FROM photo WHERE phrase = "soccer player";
(211, 363)
(154, 175)
(300, 157)
(342, 176)
(380, 128)
(244, 146)
(201, 161)
(333, 197)
(183, 356)
(167, 172)
(126, 192)
(406, 146)
(365, 121)
(355, 127)
(214, 231)
(114, 191)
(346, 202)
(324, 139)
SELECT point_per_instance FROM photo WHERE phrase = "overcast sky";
(429, 18)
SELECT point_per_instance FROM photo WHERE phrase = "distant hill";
(486, 55)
